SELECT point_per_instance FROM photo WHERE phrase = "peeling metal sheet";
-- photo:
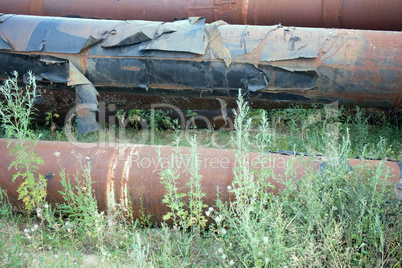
(52, 35)
(342, 48)
(86, 100)
(3, 40)
(252, 37)
(296, 65)
(130, 33)
(179, 36)
(242, 40)
(52, 60)
(4, 17)
(48, 38)
(87, 106)
(75, 77)
(52, 77)
(4, 43)
(216, 44)
(293, 43)
(91, 41)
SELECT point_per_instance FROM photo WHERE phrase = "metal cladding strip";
(273, 65)
(352, 14)
(130, 172)
(86, 100)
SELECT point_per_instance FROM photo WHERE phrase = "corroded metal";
(126, 173)
(352, 14)
(272, 65)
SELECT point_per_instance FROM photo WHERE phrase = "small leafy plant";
(49, 119)
(80, 204)
(186, 209)
(16, 111)
(169, 177)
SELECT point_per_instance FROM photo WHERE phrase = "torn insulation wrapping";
(181, 36)
(87, 106)
(274, 66)
(86, 100)
(216, 44)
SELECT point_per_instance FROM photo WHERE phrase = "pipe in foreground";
(272, 65)
(351, 14)
(131, 172)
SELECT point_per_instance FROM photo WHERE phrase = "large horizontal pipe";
(273, 65)
(351, 14)
(130, 172)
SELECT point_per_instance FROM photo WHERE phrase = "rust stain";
(79, 60)
(126, 173)
(82, 110)
(36, 7)
(216, 169)
(255, 55)
(245, 4)
(352, 14)
(131, 68)
(110, 181)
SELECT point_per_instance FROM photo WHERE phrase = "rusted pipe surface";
(352, 14)
(275, 65)
(131, 172)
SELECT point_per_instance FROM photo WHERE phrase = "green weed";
(335, 216)
(16, 110)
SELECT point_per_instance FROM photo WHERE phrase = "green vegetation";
(177, 202)
(373, 133)
(330, 217)
(16, 110)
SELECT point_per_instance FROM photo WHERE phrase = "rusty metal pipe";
(273, 65)
(131, 172)
(351, 14)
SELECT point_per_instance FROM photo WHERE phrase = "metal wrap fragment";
(275, 66)
(87, 105)
(130, 172)
(86, 100)
(352, 14)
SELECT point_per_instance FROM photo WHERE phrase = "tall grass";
(335, 216)
(332, 217)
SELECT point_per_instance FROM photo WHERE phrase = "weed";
(17, 107)
(195, 194)
(5, 207)
(186, 209)
(333, 217)
(160, 119)
(16, 110)
(50, 115)
(144, 219)
(191, 122)
(169, 176)
(80, 205)
(336, 216)
(134, 116)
